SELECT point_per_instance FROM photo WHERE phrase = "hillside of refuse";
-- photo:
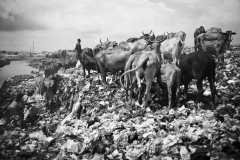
(111, 128)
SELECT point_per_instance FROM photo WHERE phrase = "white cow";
(171, 48)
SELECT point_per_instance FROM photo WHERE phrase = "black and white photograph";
(119, 79)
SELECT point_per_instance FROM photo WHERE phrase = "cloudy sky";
(56, 24)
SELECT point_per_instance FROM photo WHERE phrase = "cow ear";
(233, 33)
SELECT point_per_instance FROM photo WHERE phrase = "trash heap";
(111, 128)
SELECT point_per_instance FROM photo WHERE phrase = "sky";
(57, 24)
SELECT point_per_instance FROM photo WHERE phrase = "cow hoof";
(88, 76)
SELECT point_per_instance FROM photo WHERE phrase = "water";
(13, 69)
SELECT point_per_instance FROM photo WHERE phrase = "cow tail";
(139, 64)
(127, 77)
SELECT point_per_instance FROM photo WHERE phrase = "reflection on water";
(15, 68)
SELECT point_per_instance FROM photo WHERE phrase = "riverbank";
(4, 62)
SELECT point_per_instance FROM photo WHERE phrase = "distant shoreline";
(6, 60)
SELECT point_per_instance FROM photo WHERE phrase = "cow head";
(155, 43)
(112, 44)
(170, 35)
(145, 36)
(228, 38)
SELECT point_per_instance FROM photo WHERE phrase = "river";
(13, 69)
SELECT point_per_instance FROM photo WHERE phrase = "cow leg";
(21, 116)
(178, 93)
(103, 74)
(84, 73)
(51, 102)
(146, 95)
(131, 91)
(149, 76)
(139, 89)
(186, 88)
(200, 90)
(169, 88)
(88, 74)
(163, 59)
(213, 91)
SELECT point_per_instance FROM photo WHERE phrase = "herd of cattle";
(141, 60)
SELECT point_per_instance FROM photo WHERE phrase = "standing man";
(78, 48)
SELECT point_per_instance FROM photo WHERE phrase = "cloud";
(54, 22)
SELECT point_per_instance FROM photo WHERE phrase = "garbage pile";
(110, 128)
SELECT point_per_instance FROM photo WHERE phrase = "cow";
(215, 43)
(198, 65)
(49, 89)
(181, 35)
(69, 63)
(62, 54)
(52, 69)
(214, 30)
(214, 47)
(196, 33)
(101, 46)
(171, 48)
(131, 40)
(229, 39)
(138, 45)
(112, 44)
(115, 60)
(170, 77)
(71, 54)
(145, 66)
(87, 60)
(111, 61)
(15, 108)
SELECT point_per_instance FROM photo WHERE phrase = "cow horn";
(165, 37)
(150, 32)
(100, 41)
(143, 33)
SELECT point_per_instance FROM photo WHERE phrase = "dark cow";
(87, 60)
(62, 54)
(229, 39)
(15, 108)
(49, 89)
(70, 63)
(196, 33)
(198, 65)
(131, 40)
(51, 70)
